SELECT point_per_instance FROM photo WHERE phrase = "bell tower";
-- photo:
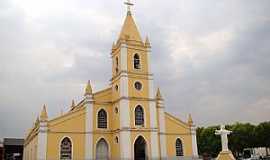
(132, 87)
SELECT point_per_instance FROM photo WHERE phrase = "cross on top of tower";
(129, 4)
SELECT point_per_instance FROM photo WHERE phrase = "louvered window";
(139, 116)
(137, 62)
(179, 147)
(66, 149)
(102, 119)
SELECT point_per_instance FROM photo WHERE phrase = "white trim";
(42, 141)
(99, 109)
(89, 129)
(125, 145)
(194, 141)
(153, 114)
(147, 146)
(123, 57)
(161, 114)
(149, 60)
(144, 116)
(123, 86)
(124, 110)
(109, 148)
(163, 146)
(162, 129)
(59, 146)
(154, 145)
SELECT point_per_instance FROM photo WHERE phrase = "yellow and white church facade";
(125, 121)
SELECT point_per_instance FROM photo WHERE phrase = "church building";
(127, 120)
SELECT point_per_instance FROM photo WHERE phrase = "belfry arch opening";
(140, 149)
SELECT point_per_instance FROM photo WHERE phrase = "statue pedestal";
(225, 155)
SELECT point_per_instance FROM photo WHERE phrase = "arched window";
(102, 150)
(102, 119)
(117, 64)
(139, 115)
(179, 147)
(136, 62)
(66, 149)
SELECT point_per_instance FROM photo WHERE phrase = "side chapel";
(125, 121)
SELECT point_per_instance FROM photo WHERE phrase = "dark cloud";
(210, 58)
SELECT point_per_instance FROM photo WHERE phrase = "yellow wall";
(31, 149)
(143, 57)
(72, 126)
(145, 105)
(108, 109)
(175, 128)
(132, 92)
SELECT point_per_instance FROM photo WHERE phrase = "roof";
(129, 29)
(13, 141)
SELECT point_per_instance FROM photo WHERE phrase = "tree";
(262, 134)
(242, 137)
(208, 142)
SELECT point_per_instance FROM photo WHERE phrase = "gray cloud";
(210, 58)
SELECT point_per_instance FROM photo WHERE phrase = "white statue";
(224, 137)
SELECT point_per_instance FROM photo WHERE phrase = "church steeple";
(44, 115)
(129, 30)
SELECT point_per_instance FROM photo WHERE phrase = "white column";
(89, 128)
(125, 141)
(42, 141)
(123, 57)
(153, 115)
(194, 142)
(154, 145)
(162, 129)
(125, 145)
(149, 60)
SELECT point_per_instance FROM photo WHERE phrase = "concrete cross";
(129, 4)
(224, 137)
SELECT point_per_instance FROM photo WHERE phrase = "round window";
(138, 85)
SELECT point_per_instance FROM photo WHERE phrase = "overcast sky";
(210, 58)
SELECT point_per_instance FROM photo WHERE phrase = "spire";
(73, 104)
(44, 115)
(190, 121)
(129, 30)
(88, 89)
(147, 42)
(158, 95)
(113, 46)
(37, 120)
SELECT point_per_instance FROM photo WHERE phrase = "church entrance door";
(140, 149)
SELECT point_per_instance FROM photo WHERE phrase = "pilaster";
(194, 141)
(42, 140)
(89, 127)
(125, 141)
(162, 129)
